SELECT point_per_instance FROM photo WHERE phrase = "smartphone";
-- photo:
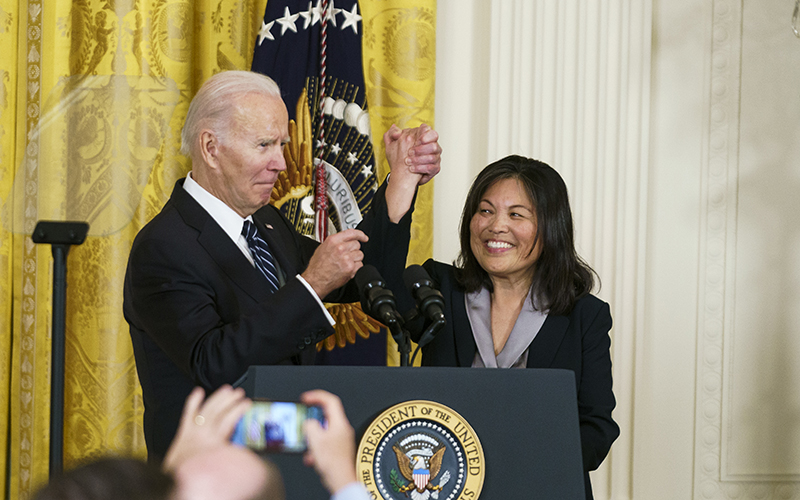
(275, 426)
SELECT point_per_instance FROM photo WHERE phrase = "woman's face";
(503, 231)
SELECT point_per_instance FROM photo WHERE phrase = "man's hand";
(335, 261)
(331, 451)
(413, 151)
(206, 425)
(414, 156)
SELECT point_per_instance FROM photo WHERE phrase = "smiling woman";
(503, 234)
(519, 296)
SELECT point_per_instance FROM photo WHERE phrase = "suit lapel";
(225, 253)
(544, 347)
(230, 259)
(465, 342)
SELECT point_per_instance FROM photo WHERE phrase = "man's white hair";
(212, 107)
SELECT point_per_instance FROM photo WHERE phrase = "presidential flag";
(313, 51)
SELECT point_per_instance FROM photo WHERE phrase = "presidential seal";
(421, 450)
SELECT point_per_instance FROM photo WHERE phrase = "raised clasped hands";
(414, 156)
(413, 152)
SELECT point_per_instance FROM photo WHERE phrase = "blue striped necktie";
(262, 257)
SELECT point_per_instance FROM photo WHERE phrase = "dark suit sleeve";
(595, 395)
(387, 248)
(205, 324)
(195, 309)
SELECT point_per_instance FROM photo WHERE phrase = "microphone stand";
(403, 339)
(379, 303)
(59, 234)
(428, 335)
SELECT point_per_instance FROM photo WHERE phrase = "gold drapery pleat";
(399, 73)
(94, 98)
(93, 94)
(9, 27)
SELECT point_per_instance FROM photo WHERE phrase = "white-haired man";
(219, 280)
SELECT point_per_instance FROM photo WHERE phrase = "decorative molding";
(717, 269)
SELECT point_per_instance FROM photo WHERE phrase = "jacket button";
(301, 346)
(308, 341)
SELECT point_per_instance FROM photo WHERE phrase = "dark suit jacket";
(578, 342)
(200, 314)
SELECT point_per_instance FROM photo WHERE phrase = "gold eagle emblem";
(293, 194)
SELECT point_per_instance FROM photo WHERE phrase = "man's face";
(250, 154)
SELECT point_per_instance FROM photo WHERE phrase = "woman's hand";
(414, 157)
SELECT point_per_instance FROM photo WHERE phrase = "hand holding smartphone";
(275, 426)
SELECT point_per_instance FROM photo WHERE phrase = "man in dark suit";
(207, 294)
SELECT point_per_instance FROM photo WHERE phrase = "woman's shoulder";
(590, 305)
(440, 272)
(431, 265)
(590, 300)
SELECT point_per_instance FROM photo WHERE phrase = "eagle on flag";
(313, 51)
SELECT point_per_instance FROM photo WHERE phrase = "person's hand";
(413, 151)
(425, 157)
(332, 450)
(414, 156)
(206, 425)
(398, 145)
(335, 261)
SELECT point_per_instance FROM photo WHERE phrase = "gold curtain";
(96, 92)
(399, 72)
(92, 99)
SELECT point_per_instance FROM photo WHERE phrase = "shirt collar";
(225, 216)
(515, 352)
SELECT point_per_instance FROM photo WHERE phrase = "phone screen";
(275, 426)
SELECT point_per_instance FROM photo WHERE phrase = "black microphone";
(430, 303)
(376, 299)
(429, 300)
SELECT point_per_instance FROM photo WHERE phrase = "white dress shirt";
(232, 223)
(515, 352)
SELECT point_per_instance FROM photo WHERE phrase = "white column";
(565, 82)
(569, 85)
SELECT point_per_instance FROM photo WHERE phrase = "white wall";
(462, 83)
(676, 127)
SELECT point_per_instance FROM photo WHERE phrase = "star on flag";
(264, 32)
(310, 17)
(351, 18)
(288, 21)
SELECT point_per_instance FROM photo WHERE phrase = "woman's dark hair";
(560, 276)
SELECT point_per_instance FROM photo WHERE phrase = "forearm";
(212, 330)
(287, 324)
(598, 432)
(400, 193)
(387, 248)
(596, 399)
